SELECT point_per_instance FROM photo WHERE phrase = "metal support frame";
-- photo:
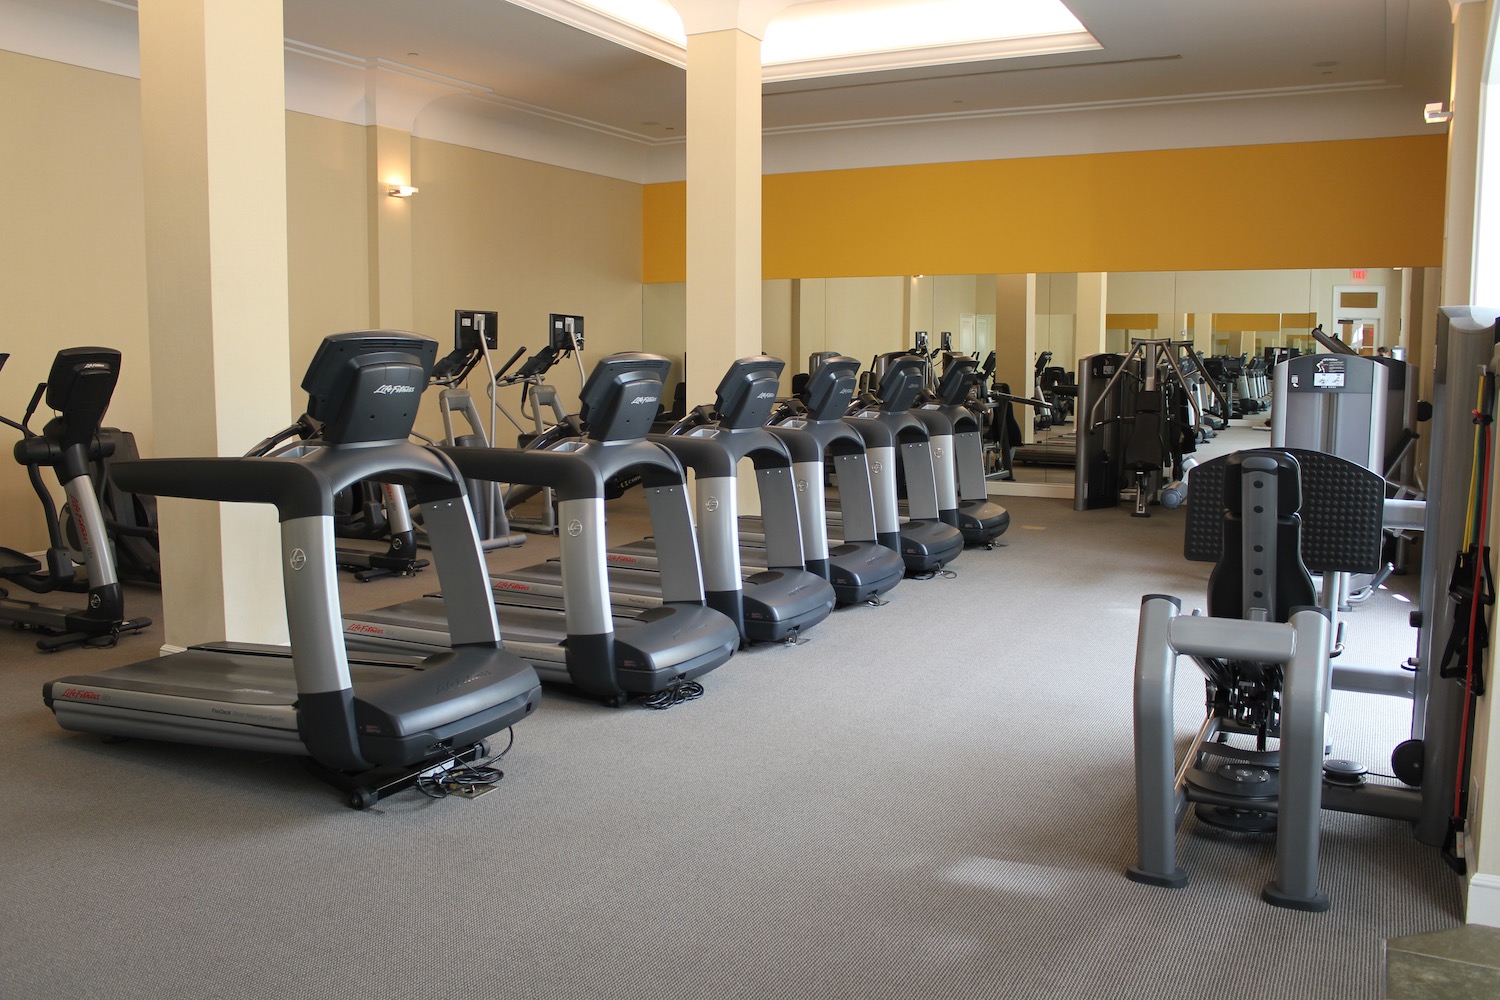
(1162, 791)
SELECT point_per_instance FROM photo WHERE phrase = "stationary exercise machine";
(474, 336)
(541, 406)
(860, 568)
(1138, 419)
(785, 600)
(574, 638)
(900, 448)
(370, 726)
(129, 518)
(979, 519)
(1292, 512)
(78, 389)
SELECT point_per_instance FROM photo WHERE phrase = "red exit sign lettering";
(1358, 274)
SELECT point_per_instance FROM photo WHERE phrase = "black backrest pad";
(1343, 510)
(366, 385)
(1278, 580)
(747, 393)
(622, 395)
(79, 388)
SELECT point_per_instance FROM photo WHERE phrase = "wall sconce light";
(401, 191)
(1436, 113)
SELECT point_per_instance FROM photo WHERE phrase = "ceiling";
(1153, 52)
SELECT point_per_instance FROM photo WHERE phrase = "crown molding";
(1084, 106)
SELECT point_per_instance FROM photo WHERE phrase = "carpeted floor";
(927, 799)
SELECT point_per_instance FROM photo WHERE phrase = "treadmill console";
(622, 396)
(365, 386)
(747, 393)
(959, 377)
(831, 387)
(79, 388)
(905, 377)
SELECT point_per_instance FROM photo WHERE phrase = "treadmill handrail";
(295, 488)
(298, 486)
(571, 474)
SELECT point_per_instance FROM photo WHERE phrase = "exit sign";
(1358, 274)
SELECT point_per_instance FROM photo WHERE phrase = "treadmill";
(783, 601)
(860, 568)
(925, 542)
(979, 519)
(369, 725)
(859, 571)
(575, 639)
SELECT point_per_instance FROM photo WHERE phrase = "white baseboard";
(167, 649)
(1483, 905)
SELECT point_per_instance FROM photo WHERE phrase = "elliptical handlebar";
(513, 359)
(699, 416)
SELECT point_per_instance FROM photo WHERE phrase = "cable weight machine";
(1139, 418)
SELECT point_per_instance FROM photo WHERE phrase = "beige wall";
(776, 328)
(524, 239)
(72, 249)
(488, 232)
(664, 327)
(1171, 294)
(328, 234)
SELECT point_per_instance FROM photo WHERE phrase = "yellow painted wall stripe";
(1246, 322)
(1131, 321)
(1374, 202)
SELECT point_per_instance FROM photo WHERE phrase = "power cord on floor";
(467, 777)
(675, 695)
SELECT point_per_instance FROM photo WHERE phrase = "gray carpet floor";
(927, 799)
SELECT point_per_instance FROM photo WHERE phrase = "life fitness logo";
(394, 390)
(78, 694)
(83, 531)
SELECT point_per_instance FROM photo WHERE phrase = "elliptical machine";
(78, 388)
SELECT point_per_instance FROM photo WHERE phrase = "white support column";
(1470, 32)
(723, 205)
(1470, 277)
(213, 116)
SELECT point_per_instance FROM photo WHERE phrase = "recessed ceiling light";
(846, 27)
(843, 36)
